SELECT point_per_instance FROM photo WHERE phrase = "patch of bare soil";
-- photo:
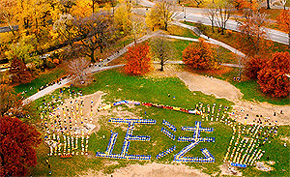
(229, 170)
(263, 167)
(268, 113)
(72, 109)
(210, 86)
(170, 70)
(285, 139)
(152, 170)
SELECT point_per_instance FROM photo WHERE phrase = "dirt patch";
(229, 170)
(210, 86)
(71, 110)
(271, 162)
(285, 139)
(268, 113)
(263, 167)
(252, 111)
(170, 70)
(152, 170)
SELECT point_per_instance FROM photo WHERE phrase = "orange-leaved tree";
(274, 77)
(283, 21)
(19, 72)
(138, 60)
(254, 65)
(199, 56)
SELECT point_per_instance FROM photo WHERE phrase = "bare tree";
(162, 50)
(253, 31)
(268, 4)
(283, 3)
(225, 10)
(96, 32)
(138, 27)
(211, 12)
(78, 69)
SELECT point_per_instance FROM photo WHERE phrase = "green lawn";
(41, 80)
(119, 86)
(180, 31)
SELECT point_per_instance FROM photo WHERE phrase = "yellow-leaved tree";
(161, 14)
(122, 16)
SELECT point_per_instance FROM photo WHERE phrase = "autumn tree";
(224, 12)
(162, 51)
(96, 31)
(12, 103)
(211, 12)
(253, 33)
(122, 17)
(24, 49)
(18, 143)
(273, 77)
(6, 12)
(137, 27)
(253, 65)
(81, 10)
(9, 99)
(283, 21)
(19, 72)
(65, 28)
(246, 4)
(161, 14)
(138, 60)
(78, 68)
(199, 56)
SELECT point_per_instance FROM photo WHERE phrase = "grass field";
(119, 86)
(41, 80)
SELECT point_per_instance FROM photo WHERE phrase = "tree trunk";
(93, 56)
(162, 65)
(223, 30)
(212, 25)
(93, 6)
(268, 4)
(165, 27)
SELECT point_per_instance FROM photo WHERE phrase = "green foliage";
(24, 49)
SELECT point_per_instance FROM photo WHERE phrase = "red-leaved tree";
(254, 65)
(19, 72)
(199, 56)
(138, 60)
(273, 78)
(18, 142)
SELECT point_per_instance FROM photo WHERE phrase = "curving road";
(197, 15)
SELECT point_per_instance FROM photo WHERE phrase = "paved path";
(179, 62)
(197, 15)
(7, 29)
(210, 40)
(100, 66)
